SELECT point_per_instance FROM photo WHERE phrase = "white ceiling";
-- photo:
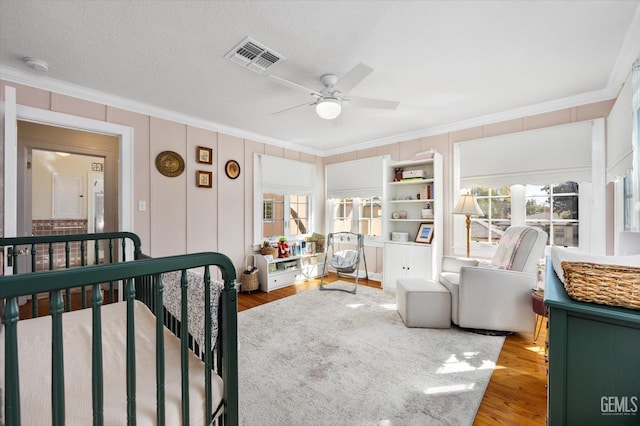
(449, 63)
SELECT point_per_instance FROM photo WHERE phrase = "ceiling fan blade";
(294, 107)
(371, 103)
(294, 86)
(352, 78)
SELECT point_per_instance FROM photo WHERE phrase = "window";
(284, 215)
(267, 209)
(342, 216)
(370, 216)
(298, 214)
(554, 209)
(283, 198)
(360, 215)
(496, 206)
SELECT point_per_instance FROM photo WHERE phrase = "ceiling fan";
(328, 100)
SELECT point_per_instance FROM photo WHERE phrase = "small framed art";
(232, 169)
(205, 155)
(425, 233)
(203, 179)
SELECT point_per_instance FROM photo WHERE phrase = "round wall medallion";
(170, 163)
(232, 169)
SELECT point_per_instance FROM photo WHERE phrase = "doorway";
(67, 182)
(12, 113)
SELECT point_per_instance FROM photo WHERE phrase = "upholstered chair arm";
(496, 299)
(453, 264)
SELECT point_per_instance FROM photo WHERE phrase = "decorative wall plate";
(170, 163)
(232, 169)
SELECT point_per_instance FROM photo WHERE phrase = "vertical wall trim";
(10, 180)
(598, 195)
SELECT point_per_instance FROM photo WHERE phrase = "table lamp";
(467, 205)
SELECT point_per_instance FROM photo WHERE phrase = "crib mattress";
(34, 337)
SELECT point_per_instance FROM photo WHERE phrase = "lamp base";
(468, 222)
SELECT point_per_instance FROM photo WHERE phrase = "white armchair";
(496, 295)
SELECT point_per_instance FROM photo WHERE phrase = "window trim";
(306, 185)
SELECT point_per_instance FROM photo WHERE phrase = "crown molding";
(68, 89)
(628, 54)
(541, 108)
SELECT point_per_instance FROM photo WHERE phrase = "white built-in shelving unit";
(409, 202)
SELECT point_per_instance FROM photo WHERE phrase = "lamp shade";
(468, 205)
(328, 108)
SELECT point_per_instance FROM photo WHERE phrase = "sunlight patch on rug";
(335, 358)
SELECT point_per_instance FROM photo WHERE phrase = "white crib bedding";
(34, 336)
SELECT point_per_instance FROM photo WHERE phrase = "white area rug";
(334, 358)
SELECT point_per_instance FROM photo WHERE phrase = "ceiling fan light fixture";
(328, 108)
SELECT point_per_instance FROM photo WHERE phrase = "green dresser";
(594, 360)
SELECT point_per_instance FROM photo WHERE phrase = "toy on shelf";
(283, 248)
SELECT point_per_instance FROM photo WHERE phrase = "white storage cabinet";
(282, 272)
(405, 260)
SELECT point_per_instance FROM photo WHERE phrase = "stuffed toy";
(283, 248)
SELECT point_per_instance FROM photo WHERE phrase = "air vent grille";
(254, 56)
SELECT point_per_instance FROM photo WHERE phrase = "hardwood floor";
(516, 394)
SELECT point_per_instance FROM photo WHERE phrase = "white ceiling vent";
(254, 56)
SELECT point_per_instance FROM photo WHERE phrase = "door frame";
(57, 119)
(125, 149)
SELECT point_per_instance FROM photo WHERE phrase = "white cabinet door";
(405, 261)
(419, 261)
(394, 265)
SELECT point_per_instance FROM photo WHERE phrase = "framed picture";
(425, 233)
(205, 155)
(170, 163)
(204, 179)
(232, 169)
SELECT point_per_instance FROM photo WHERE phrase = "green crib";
(121, 356)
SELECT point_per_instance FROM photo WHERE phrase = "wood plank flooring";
(516, 394)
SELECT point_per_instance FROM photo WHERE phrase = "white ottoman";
(423, 303)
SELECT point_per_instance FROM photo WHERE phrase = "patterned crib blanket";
(195, 300)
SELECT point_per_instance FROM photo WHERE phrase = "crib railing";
(133, 275)
(38, 253)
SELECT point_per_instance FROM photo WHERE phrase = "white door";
(10, 166)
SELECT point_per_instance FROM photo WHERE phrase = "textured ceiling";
(446, 62)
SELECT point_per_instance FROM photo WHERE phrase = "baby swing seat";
(345, 261)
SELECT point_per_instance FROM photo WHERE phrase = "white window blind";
(552, 154)
(620, 134)
(358, 178)
(285, 176)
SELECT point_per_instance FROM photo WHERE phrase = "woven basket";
(249, 281)
(269, 250)
(612, 285)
